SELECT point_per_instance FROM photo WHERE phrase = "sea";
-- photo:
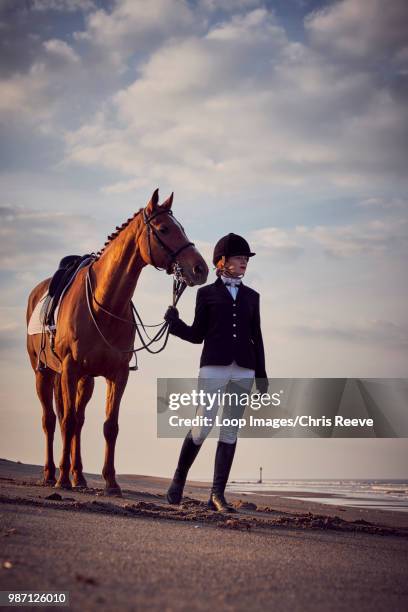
(387, 494)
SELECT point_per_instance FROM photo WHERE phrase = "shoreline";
(23, 479)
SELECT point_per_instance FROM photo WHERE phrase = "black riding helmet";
(231, 245)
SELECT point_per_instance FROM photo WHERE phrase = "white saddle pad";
(35, 324)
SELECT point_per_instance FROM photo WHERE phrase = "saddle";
(62, 278)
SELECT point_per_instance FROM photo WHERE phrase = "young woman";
(227, 319)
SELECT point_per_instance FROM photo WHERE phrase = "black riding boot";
(188, 453)
(223, 462)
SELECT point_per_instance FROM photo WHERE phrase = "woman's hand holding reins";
(171, 314)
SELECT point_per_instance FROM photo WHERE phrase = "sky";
(285, 122)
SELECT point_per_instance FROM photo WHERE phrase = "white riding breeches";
(217, 380)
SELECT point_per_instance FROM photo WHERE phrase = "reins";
(178, 287)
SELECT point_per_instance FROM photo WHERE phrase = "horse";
(95, 334)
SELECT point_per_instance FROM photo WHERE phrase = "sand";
(137, 552)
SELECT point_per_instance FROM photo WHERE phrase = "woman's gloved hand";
(171, 314)
(262, 384)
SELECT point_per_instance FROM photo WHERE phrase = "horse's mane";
(116, 233)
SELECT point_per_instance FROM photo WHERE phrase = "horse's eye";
(163, 229)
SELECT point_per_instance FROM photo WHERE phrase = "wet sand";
(137, 552)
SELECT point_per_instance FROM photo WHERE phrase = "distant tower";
(260, 476)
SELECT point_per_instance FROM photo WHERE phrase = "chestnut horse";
(152, 236)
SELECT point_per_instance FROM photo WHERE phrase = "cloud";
(377, 236)
(64, 6)
(239, 104)
(386, 235)
(244, 27)
(274, 241)
(125, 186)
(60, 51)
(34, 239)
(37, 95)
(384, 203)
(210, 77)
(38, 115)
(218, 100)
(227, 6)
(369, 332)
(135, 26)
(356, 30)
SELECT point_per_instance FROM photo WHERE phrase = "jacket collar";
(219, 284)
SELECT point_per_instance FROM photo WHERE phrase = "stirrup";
(40, 367)
(52, 338)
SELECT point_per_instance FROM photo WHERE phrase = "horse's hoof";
(47, 482)
(79, 483)
(113, 491)
(63, 484)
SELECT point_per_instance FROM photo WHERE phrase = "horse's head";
(163, 243)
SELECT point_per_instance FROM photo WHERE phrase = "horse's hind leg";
(44, 380)
(84, 394)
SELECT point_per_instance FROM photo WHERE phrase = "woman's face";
(237, 264)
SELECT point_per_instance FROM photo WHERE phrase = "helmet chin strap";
(226, 272)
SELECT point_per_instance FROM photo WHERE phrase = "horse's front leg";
(84, 394)
(44, 383)
(69, 384)
(115, 389)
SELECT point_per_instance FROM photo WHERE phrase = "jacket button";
(234, 314)
(234, 325)
(234, 305)
(235, 335)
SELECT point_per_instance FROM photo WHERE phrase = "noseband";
(151, 229)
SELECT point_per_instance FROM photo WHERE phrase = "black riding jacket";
(231, 329)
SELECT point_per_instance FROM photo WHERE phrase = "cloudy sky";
(284, 121)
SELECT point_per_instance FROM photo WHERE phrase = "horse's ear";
(152, 204)
(167, 203)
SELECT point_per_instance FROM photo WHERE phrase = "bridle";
(179, 284)
(151, 229)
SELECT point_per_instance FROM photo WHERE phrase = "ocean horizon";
(384, 493)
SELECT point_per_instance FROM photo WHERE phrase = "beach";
(137, 552)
